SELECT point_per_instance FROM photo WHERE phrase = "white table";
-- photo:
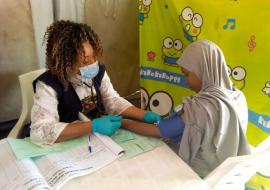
(158, 169)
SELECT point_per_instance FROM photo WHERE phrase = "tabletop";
(159, 169)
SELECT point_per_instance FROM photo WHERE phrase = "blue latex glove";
(172, 128)
(106, 125)
(151, 117)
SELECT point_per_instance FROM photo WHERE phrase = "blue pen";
(89, 145)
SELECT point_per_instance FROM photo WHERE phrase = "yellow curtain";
(240, 28)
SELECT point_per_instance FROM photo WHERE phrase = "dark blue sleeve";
(172, 128)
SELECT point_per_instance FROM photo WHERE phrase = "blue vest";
(69, 104)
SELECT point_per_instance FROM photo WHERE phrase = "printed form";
(53, 170)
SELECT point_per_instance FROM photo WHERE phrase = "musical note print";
(231, 22)
(251, 43)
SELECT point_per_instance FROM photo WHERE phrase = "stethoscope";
(92, 93)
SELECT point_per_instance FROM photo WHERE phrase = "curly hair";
(64, 41)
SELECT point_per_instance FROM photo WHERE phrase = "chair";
(263, 146)
(234, 172)
(27, 94)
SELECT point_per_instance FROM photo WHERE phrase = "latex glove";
(151, 117)
(106, 125)
(172, 128)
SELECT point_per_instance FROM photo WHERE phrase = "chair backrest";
(263, 146)
(234, 172)
(27, 94)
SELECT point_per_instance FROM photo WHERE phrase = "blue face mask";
(90, 71)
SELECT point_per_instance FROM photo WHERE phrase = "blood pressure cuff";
(172, 128)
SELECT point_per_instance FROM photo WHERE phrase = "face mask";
(90, 71)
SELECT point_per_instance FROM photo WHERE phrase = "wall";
(17, 53)
(114, 20)
(116, 23)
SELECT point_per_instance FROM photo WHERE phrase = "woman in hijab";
(212, 124)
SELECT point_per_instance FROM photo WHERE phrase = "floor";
(5, 128)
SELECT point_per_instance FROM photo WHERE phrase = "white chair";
(234, 172)
(27, 94)
(263, 146)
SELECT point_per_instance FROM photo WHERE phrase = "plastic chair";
(263, 146)
(27, 94)
(234, 172)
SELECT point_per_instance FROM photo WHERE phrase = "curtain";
(46, 12)
(167, 27)
(42, 16)
(69, 10)
(240, 28)
(22, 27)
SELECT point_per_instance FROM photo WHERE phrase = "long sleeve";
(45, 124)
(114, 104)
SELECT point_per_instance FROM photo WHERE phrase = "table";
(159, 169)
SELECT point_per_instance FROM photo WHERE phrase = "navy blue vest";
(69, 104)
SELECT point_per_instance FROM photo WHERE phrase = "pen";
(89, 145)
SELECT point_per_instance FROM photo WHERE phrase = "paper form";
(53, 170)
(115, 148)
(58, 168)
(118, 150)
(23, 148)
(18, 175)
(122, 135)
(133, 144)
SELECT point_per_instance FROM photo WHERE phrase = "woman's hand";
(151, 117)
(106, 125)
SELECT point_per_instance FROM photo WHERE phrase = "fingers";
(116, 125)
(116, 118)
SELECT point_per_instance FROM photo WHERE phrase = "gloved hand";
(172, 128)
(106, 125)
(151, 117)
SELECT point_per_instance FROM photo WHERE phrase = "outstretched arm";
(171, 128)
(141, 128)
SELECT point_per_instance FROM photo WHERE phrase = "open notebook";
(105, 139)
(53, 170)
(134, 144)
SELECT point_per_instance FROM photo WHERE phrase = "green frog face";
(144, 6)
(172, 48)
(238, 75)
(191, 22)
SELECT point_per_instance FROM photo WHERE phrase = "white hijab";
(216, 118)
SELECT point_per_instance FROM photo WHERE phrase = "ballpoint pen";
(89, 145)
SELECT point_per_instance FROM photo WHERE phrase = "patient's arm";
(141, 128)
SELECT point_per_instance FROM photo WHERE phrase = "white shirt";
(45, 124)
